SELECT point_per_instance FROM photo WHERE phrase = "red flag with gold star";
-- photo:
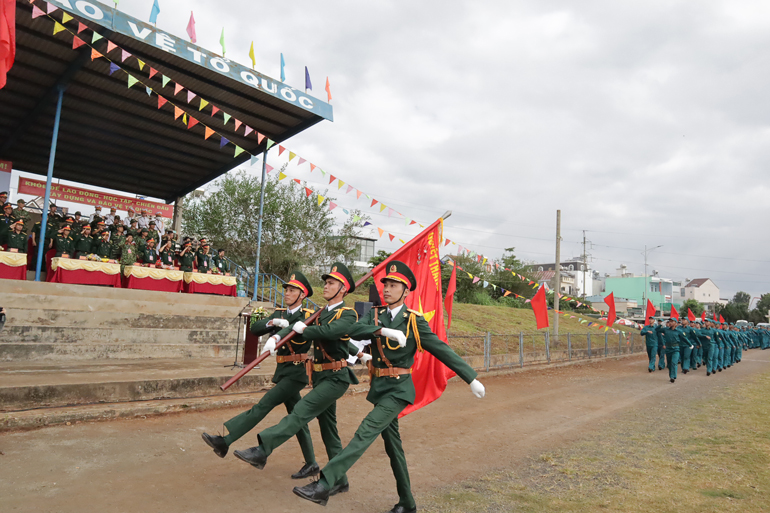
(429, 375)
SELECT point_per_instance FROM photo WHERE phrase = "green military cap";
(145, 230)
(400, 272)
(341, 273)
(21, 201)
(78, 213)
(297, 279)
(7, 205)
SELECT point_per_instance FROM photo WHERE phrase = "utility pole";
(557, 276)
(585, 265)
(647, 280)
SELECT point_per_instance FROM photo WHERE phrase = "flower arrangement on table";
(258, 314)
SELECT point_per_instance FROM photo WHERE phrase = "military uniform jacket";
(83, 244)
(702, 334)
(18, 241)
(150, 256)
(186, 261)
(102, 248)
(329, 333)
(672, 337)
(128, 254)
(5, 227)
(691, 336)
(167, 257)
(650, 335)
(203, 261)
(286, 370)
(417, 330)
(64, 245)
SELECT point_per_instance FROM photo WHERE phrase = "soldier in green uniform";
(661, 346)
(141, 242)
(167, 252)
(133, 229)
(128, 253)
(20, 213)
(103, 247)
(149, 255)
(203, 258)
(64, 244)
(218, 261)
(83, 242)
(651, 341)
(153, 232)
(398, 334)
(685, 350)
(78, 223)
(719, 353)
(290, 377)
(186, 257)
(118, 237)
(6, 220)
(96, 217)
(708, 342)
(17, 239)
(331, 375)
(672, 338)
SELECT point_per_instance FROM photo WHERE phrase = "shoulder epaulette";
(308, 310)
(414, 312)
(347, 308)
(280, 309)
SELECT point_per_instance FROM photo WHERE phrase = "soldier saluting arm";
(398, 334)
(290, 377)
(331, 376)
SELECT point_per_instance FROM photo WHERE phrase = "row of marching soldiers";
(716, 345)
(73, 237)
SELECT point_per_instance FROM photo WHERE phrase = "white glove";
(281, 323)
(299, 326)
(478, 389)
(365, 357)
(394, 335)
(691, 347)
(270, 344)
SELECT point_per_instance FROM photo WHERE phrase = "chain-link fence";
(495, 351)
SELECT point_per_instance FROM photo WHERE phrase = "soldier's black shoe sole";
(254, 456)
(217, 443)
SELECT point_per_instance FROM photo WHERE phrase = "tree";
(695, 306)
(296, 230)
(742, 298)
(379, 258)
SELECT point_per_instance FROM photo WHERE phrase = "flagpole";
(315, 315)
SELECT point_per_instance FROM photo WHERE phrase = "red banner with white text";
(106, 200)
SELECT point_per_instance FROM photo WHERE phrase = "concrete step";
(97, 304)
(115, 320)
(88, 335)
(77, 352)
(11, 287)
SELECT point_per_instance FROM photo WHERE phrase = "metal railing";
(488, 351)
(269, 288)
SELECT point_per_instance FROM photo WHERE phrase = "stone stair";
(80, 322)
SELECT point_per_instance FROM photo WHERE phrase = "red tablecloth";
(9, 268)
(83, 276)
(164, 281)
(197, 283)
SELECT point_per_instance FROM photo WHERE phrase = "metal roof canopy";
(115, 137)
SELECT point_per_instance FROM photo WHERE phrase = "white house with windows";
(574, 281)
(704, 291)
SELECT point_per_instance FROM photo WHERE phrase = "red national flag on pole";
(421, 254)
(650, 313)
(674, 314)
(7, 38)
(721, 319)
(450, 295)
(703, 317)
(715, 317)
(540, 307)
(690, 315)
(611, 316)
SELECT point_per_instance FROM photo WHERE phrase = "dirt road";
(161, 465)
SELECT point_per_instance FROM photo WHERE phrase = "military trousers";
(739, 352)
(672, 356)
(652, 353)
(694, 357)
(320, 403)
(661, 356)
(285, 392)
(381, 421)
(685, 353)
(710, 350)
(721, 357)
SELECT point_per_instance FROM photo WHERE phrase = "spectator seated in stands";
(84, 243)
(17, 239)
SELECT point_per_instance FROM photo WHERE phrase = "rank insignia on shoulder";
(280, 309)
(405, 314)
(415, 312)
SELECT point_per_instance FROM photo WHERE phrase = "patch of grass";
(712, 456)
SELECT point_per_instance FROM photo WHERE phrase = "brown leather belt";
(335, 366)
(295, 358)
(391, 372)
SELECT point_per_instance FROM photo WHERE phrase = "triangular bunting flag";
(227, 117)
(192, 122)
(237, 124)
(36, 12)
(350, 188)
(391, 236)
(340, 183)
(270, 142)
(57, 27)
(177, 87)
(281, 176)
(110, 46)
(148, 91)
(320, 200)
(164, 80)
(124, 55)
(292, 155)
(113, 68)
(383, 207)
(77, 42)
(247, 130)
(358, 194)
(238, 150)
(81, 27)
(332, 205)
(374, 202)
(297, 180)
(203, 104)
(95, 54)
(184, 118)
(259, 137)
(312, 167)
(190, 96)
(381, 231)
(208, 133)
(332, 178)
(268, 167)
(308, 191)
(161, 101)
(177, 112)
(214, 109)
(141, 64)
(65, 17)
(153, 72)
(223, 141)
(50, 8)
(281, 149)
(96, 37)
(301, 161)
(254, 160)
(131, 80)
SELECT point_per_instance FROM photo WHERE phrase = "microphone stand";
(238, 339)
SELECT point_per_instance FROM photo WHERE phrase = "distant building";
(704, 291)
(573, 273)
(622, 305)
(660, 291)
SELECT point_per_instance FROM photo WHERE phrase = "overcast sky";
(644, 122)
